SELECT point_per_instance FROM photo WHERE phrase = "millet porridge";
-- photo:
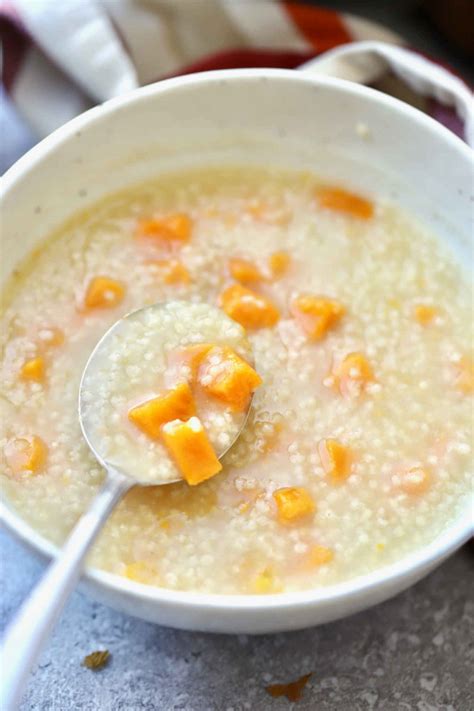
(357, 446)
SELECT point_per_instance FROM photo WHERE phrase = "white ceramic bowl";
(338, 129)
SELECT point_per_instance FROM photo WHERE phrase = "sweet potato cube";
(415, 480)
(191, 356)
(353, 374)
(174, 227)
(176, 404)
(26, 454)
(248, 308)
(226, 376)
(33, 369)
(172, 271)
(316, 314)
(50, 336)
(176, 273)
(258, 209)
(425, 314)
(465, 375)
(103, 292)
(293, 504)
(141, 572)
(279, 263)
(244, 270)
(319, 555)
(191, 449)
(263, 211)
(335, 458)
(265, 583)
(340, 200)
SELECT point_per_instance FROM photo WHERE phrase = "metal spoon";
(29, 631)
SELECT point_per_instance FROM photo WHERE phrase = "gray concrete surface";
(414, 652)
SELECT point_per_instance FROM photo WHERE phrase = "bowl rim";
(60, 135)
(420, 560)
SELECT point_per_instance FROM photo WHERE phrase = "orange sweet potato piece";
(335, 458)
(340, 200)
(173, 271)
(103, 292)
(425, 314)
(174, 227)
(33, 369)
(293, 504)
(279, 263)
(248, 308)
(50, 336)
(265, 583)
(244, 270)
(353, 374)
(226, 376)
(263, 211)
(177, 273)
(191, 449)
(319, 555)
(26, 454)
(258, 209)
(141, 572)
(465, 375)
(415, 480)
(316, 314)
(191, 356)
(176, 404)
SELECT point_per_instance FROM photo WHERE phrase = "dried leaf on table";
(96, 660)
(293, 690)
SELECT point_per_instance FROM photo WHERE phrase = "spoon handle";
(28, 632)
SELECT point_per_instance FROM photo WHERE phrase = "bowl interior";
(284, 119)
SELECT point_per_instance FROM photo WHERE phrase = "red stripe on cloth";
(15, 45)
(323, 28)
(246, 58)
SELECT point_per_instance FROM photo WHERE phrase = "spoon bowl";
(154, 330)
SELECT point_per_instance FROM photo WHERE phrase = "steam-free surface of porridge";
(357, 447)
(156, 370)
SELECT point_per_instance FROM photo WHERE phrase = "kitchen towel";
(61, 58)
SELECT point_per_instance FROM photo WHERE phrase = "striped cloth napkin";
(63, 56)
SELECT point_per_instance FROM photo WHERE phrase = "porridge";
(356, 450)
